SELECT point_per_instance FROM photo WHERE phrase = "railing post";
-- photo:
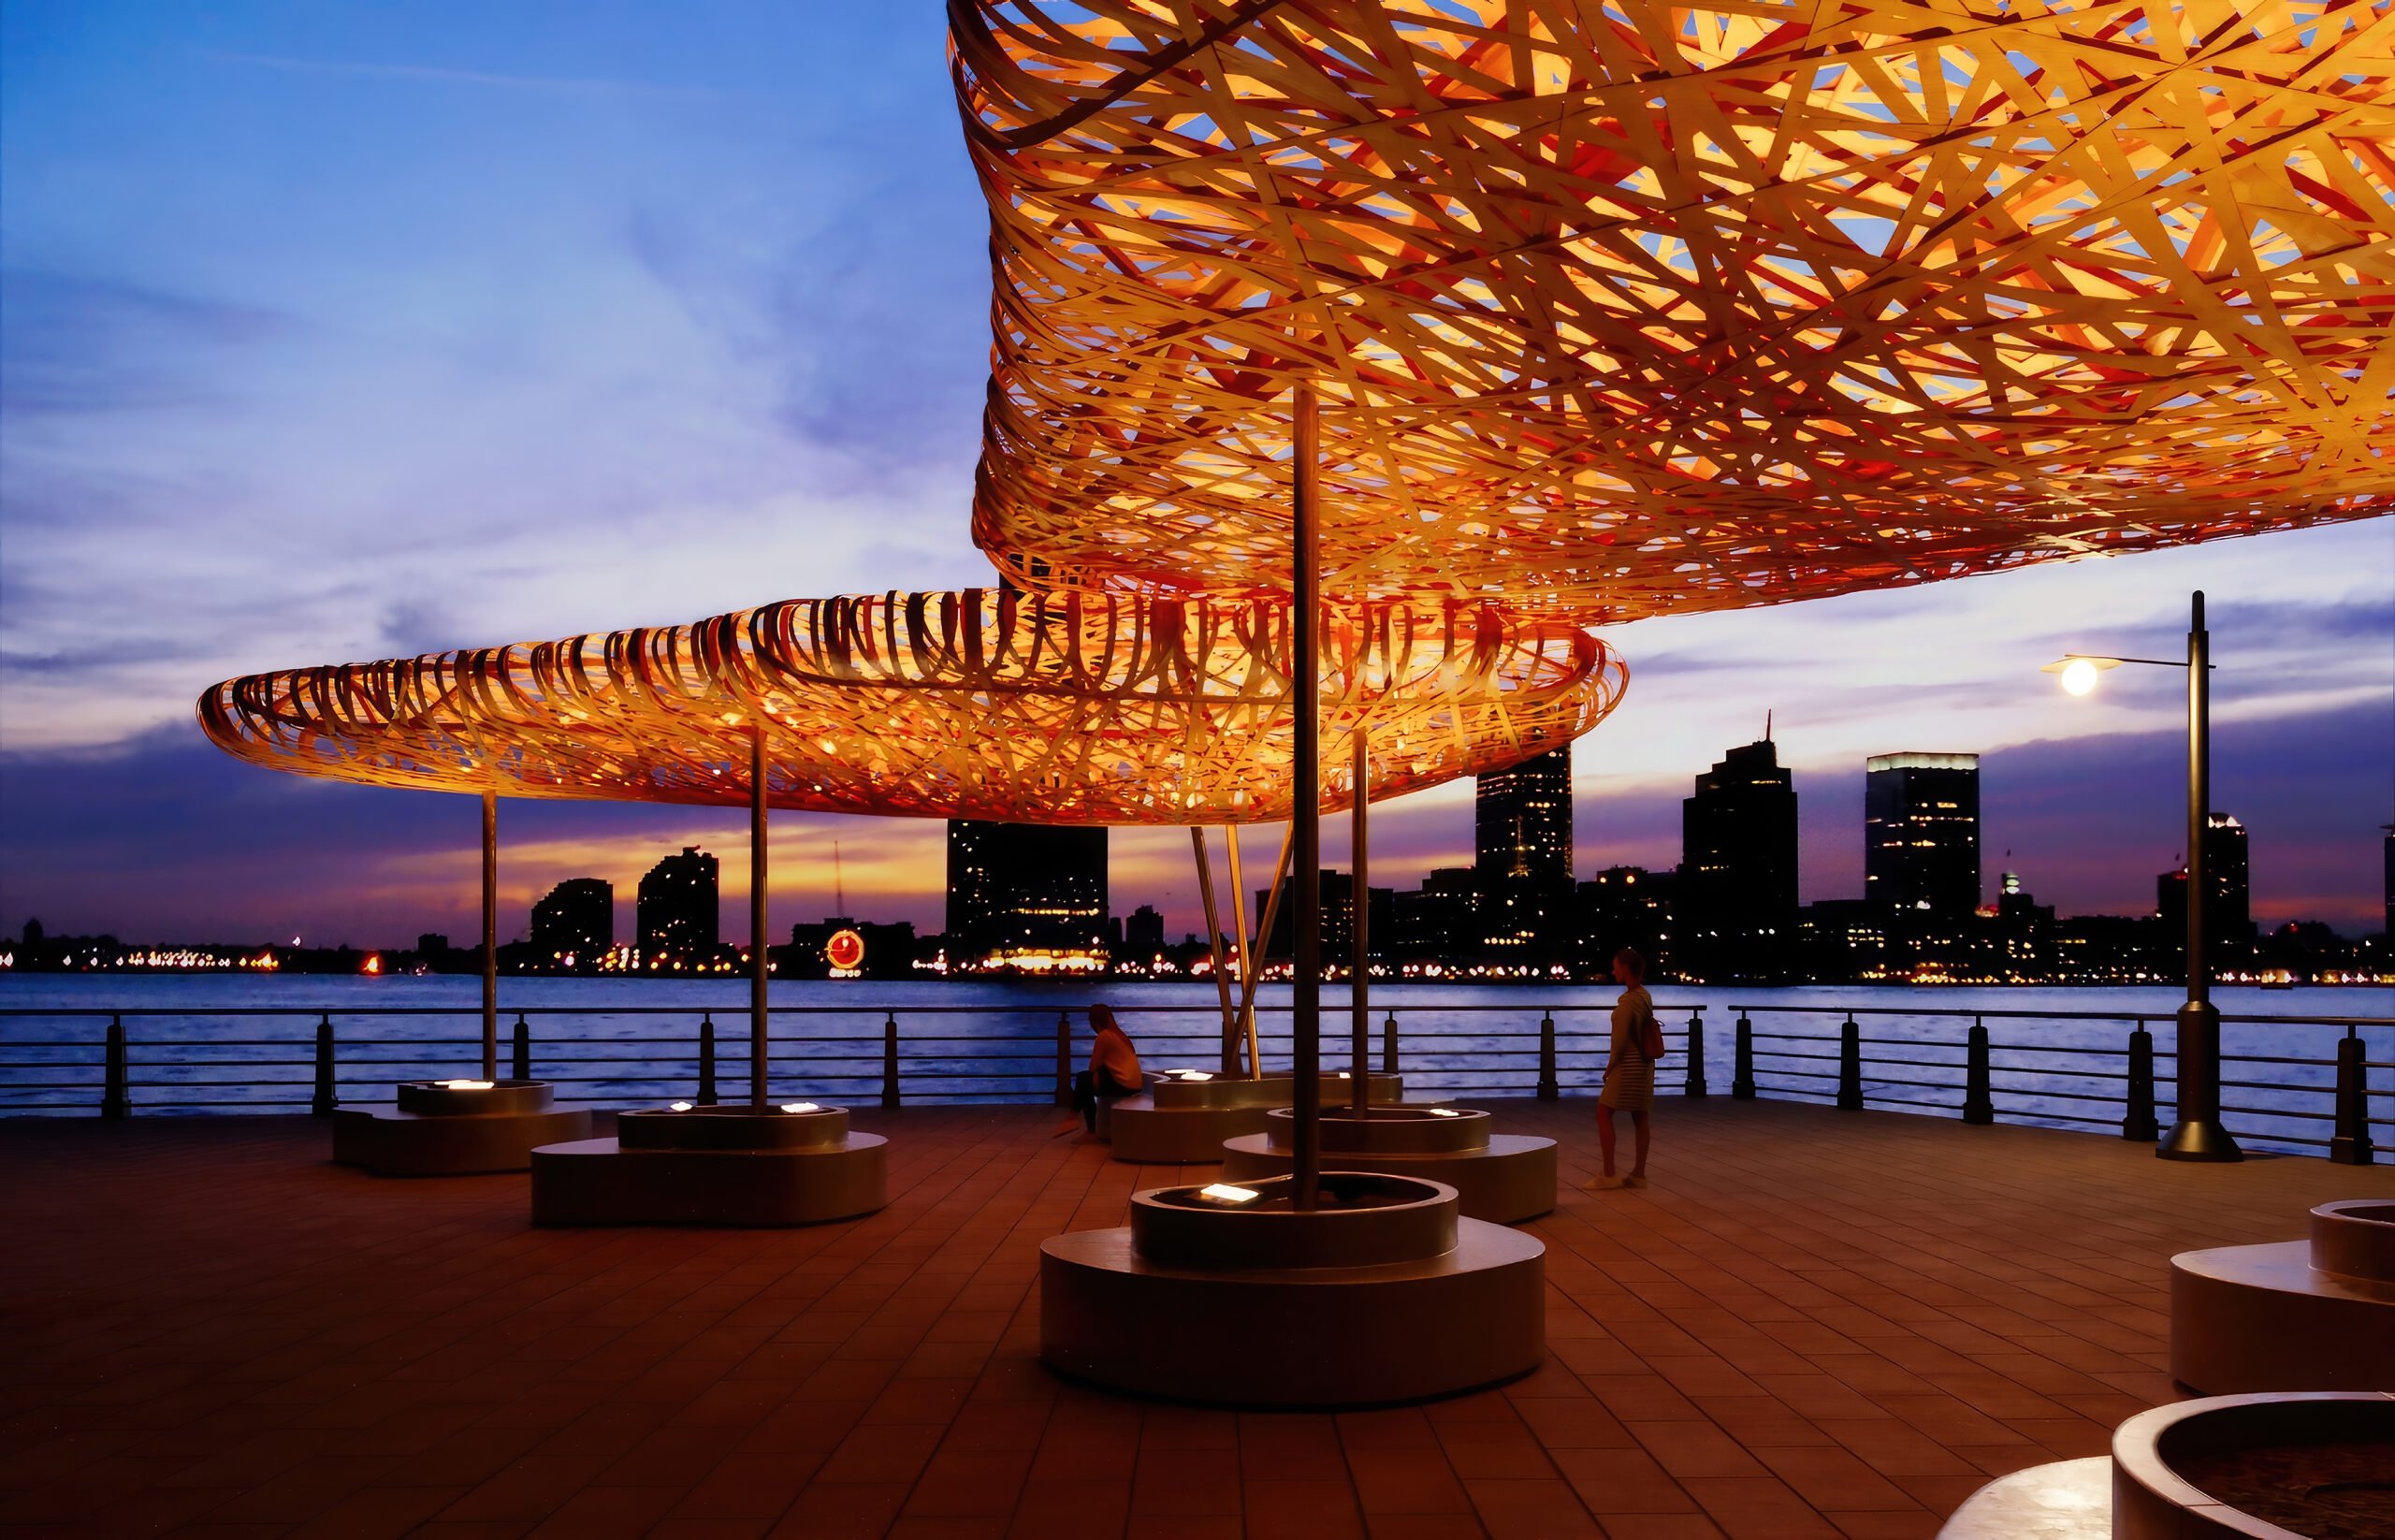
(2351, 1145)
(889, 1058)
(1979, 1098)
(2138, 1121)
(707, 1060)
(1695, 1086)
(1742, 1074)
(1063, 1058)
(116, 1099)
(1550, 1087)
(323, 1103)
(1388, 1045)
(522, 1069)
(1849, 1066)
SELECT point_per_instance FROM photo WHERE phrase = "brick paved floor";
(1812, 1324)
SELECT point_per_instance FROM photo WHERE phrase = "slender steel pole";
(1305, 820)
(490, 936)
(1247, 960)
(1215, 948)
(1255, 977)
(1360, 987)
(2199, 1134)
(758, 939)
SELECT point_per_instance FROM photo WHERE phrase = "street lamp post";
(2198, 1134)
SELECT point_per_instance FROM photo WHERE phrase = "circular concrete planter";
(2354, 1239)
(1387, 1130)
(1384, 1294)
(2311, 1314)
(439, 1098)
(1363, 1218)
(740, 1128)
(2274, 1467)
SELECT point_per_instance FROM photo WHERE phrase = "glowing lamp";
(678, 1107)
(1445, 1111)
(2079, 675)
(466, 1084)
(800, 1107)
(1223, 1192)
(1193, 1074)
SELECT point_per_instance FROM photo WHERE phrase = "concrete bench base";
(469, 1144)
(595, 1182)
(1292, 1337)
(2254, 1318)
(2066, 1500)
(1181, 1122)
(1509, 1180)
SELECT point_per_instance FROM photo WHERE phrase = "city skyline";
(485, 389)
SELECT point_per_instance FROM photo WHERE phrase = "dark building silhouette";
(1521, 858)
(1143, 933)
(888, 950)
(1022, 889)
(1921, 854)
(676, 907)
(1436, 923)
(2228, 908)
(1841, 941)
(2388, 877)
(575, 919)
(1735, 915)
(1624, 907)
(1338, 899)
(2018, 938)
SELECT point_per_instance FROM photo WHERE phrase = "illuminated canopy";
(1059, 707)
(1615, 309)
(1625, 308)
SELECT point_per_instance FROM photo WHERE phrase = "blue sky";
(330, 332)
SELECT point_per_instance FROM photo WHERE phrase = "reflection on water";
(625, 1042)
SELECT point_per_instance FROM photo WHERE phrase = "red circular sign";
(845, 949)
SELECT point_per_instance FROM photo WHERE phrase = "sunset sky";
(337, 332)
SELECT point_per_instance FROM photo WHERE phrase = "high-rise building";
(1624, 907)
(1435, 924)
(676, 907)
(1143, 931)
(1521, 828)
(575, 919)
(1024, 894)
(1735, 917)
(1921, 854)
(2229, 908)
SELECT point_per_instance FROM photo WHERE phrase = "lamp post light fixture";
(2198, 1134)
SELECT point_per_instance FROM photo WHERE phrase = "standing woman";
(1630, 1069)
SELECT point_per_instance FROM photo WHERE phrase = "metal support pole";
(1742, 1071)
(2138, 1121)
(760, 1023)
(1849, 1066)
(1388, 1045)
(1215, 948)
(2351, 1146)
(1063, 1058)
(116, 1093)
(1979, 1096)
(1360, 903)
(523, 1048)
(323, 1103)
(1246, 956)
(2198, 1135)
(889, 1058)
(1305, 813)
(1252, 958)
(1696, 1086)
(707, 1060)
(1550, 1086)
(490, 936)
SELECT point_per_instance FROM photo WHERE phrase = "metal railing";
(2083, 1070)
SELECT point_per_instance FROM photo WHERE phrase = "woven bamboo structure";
(1625, 308)
(1059, 707)
(1615, 309)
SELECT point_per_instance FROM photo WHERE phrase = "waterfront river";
(218, 1042)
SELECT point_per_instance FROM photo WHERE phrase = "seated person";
(1114, 1068)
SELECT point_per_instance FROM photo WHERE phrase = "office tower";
(1624, 907)
(1143, 933)
(2387, 856)
(2228, 906)
(1434, 923)
(1734, 920)
(1025, 894)
(1921, 854)
(676, 908)
(575, 919)
(1521, 827)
